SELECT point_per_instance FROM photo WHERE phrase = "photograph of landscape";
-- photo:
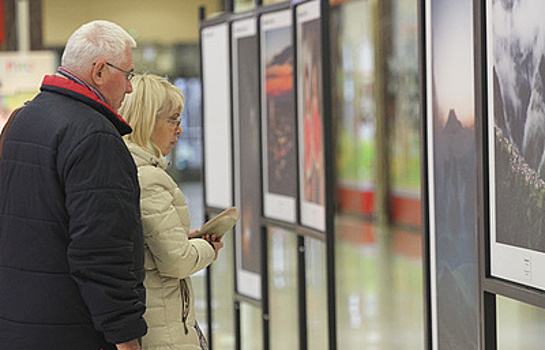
(452, 175)
(516, 121)
(278, 117)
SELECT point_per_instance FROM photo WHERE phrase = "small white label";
(527, 268)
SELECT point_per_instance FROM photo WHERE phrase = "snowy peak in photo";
(453, 124)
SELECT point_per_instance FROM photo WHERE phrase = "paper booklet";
(220, 224)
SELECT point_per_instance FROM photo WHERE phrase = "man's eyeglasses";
(128, 75)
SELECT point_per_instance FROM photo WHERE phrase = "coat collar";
(146, 157)
(79, 92)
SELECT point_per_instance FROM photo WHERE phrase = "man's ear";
(99, 72)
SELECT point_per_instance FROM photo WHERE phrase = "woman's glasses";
(174, 122)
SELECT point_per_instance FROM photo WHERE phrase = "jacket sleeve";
(105, 251)
(166, 231)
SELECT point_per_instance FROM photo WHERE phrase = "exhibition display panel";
(268, 151)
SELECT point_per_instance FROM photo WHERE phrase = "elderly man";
(71, 243)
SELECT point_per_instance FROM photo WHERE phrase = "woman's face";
(166, 131)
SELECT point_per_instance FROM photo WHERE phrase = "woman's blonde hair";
(151, 97)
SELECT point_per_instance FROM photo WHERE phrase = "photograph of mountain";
(516, 122)
(452, 175)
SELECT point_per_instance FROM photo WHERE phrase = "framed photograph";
(216, 76)
(278, 119)
(515, 140)
(245, 64)
(310, 115)
(451, 174)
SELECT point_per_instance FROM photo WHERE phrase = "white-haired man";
(71, 243)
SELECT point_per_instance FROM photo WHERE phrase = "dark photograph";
(249, 159)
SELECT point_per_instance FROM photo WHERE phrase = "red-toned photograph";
(278, 117)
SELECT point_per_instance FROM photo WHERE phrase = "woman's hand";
(193, 233)
(215, 242)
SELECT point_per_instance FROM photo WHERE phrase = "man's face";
(116, 82)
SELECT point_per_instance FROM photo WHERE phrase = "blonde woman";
(153, 110)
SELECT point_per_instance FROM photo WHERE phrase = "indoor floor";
(379, 304)
(379, 289)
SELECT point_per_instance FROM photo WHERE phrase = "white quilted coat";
(170, 257)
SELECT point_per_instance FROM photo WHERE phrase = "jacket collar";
(146, 157)
(67, 87)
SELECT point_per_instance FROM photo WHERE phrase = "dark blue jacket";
(71, 243)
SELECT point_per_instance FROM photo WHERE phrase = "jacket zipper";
(185, 303)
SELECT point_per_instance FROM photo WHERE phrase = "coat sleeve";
(165, 228)
(105, 251)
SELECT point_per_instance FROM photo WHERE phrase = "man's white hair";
(94, 41)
